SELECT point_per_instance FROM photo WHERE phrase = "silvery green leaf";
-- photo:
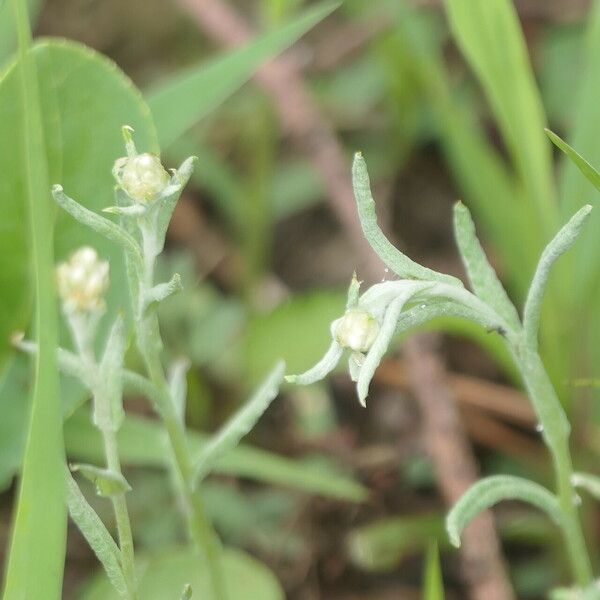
(489, 491)
(108, 483)
(482, 276)
(96, 535)
(327, 364)
(162, 291)
(355, 363)
(353, 292)
(108, 397)
(380, 345)
(398, 262)
(133, 210)
(96, 222)
(186, 594)
(169, 197)
(379, 296)
(240, 424)
(178, 386)
(562, 241)
(588, 482)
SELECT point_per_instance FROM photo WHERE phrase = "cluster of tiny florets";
(142, 176)
(357, 330)
(82, 281)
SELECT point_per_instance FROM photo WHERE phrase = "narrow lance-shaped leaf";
(185, 98)
(581, 163)
(563, 240)
(490, 37)
(34, 565)
(178, 386)
(491, 490)
(108, 483)
(588, 482)
(399, 263)
(229, 436)
(482, 276)
(381, 344)
(96, 535)
(99, 224)
(108, 403)
(433, 584)
(327, 364)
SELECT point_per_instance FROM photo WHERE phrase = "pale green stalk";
(149, 344)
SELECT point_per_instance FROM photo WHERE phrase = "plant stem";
(121, 514)
(556, 435)
(201, 529)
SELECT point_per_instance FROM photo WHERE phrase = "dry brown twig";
(483, 567)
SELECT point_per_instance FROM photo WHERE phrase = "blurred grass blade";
(36, 559)
(229, 436)
(583, 165)
(180, 101)
(7, 30)
(383, 545)
(433, 584)
(490, 37)
(472, 158)
(489, 491)
(141, 443)
(482, 276)
(96, 535)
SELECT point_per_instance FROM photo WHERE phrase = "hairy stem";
(149, 344)
(556, 436)
(121, 515)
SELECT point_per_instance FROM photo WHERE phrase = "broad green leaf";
(433, 584)
(141, 443)
(96, 535)
(184, 99)
(481, 274)
(489, 491)
(165, 575)
(490, 37)
(282, 332)
(230, 434)
(38, 536)
(85, 100)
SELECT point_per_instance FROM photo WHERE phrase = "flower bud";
(82, 281)
(357, 330)
(142, 176)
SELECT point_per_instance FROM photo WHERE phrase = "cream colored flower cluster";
(82, 281)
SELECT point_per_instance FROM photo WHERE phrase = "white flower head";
(357, 330)
(366, 329)
(141, 176)
(82, 281)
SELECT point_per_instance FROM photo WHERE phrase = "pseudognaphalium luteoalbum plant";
(420, 294)
(146, 197)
